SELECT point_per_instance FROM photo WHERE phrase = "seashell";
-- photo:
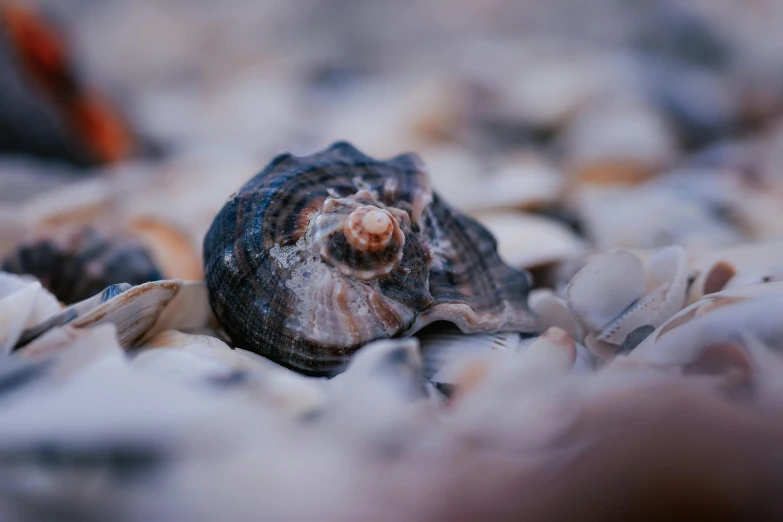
(718, 318)
(387, 365)
(456, 174)
(14, 311)
(45, 305)
(188, 310)
(463, 361)
(134, 311)
(711, 280)
(605, 287)
(443, 345)
(169, 247)
(206, 360)
(635, 338)
(70, 313)
(301, 396)
(625, 140)
(734, 267)
(69, 349)
(176, 339)
(652, 216)
(549, 84)
(528, 383)
(81, 202)
(381, 397)
(554, 351)
(530, 241)
(584, 363)
(318, 255)
(668, 278)
(766, 365)
(553, 311)
(517, 181)
(600, 350)
(76, 263)
(191, 363)
(113, 408)
(520, 180)
(23, 303)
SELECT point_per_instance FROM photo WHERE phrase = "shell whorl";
(370, 229)
(318, 255)
(359, 237)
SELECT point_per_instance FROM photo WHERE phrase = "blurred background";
(563, 125)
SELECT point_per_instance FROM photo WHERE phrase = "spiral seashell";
(318, 255)
(75, 263)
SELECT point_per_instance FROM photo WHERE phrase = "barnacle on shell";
(318, 255)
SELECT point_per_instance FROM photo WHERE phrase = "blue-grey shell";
(278, 292)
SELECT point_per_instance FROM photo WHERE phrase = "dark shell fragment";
(76, 263)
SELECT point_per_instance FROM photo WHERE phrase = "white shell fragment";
(529, 241)
(553, 310)
(667, 279)
(207, 361)
(23, 303)
(734, 267)
(188, 310)
(616, 294)
(716, 319)
(445, 345)
(70, 349)
(554, 351)
(14, 311)
(135, 311)
(605, 287)
(621, 130)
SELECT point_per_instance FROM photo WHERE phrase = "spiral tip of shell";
(369, 228)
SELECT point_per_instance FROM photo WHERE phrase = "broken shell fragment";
(735, 267)
(605, 287)
(318, 255)
(716, 319)
(615, 294)
(666, 284)
(552, 351)
(553, 311)
(66, 315)
(23, 303)
(133, 310)
(444, 345)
